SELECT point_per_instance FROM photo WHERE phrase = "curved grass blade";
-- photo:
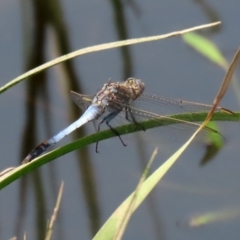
(98, 48)
(17, 172)
(226, 81)
(206, 48)
(209, 218)
(209, 50)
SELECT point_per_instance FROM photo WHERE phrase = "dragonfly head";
(136, 85)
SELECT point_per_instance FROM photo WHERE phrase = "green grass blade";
(209, 50)
(125, 129)
(214, 139)
(206, 48)
(207, 218)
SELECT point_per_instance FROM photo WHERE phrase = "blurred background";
(34, 32)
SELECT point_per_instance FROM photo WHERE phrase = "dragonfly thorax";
(115, 96)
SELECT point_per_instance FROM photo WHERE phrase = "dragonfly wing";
(150, 106)
(81, 100)
(171, 126)
(166, 106)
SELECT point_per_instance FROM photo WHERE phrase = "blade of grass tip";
(209, 218)
(54, 215)
(129, 210)
(96, 48)
(206, 48)
(226, 81)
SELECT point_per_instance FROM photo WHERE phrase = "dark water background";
(35, 32)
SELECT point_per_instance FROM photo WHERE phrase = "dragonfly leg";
(128, 111)
(107, 119)
(116, 133)
(98, 129)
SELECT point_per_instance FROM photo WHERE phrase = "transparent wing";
(160, 110)
(152, 103)
(81, 100)
(166, 106)
(152, 106)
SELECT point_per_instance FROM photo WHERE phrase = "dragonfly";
(121, 99)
